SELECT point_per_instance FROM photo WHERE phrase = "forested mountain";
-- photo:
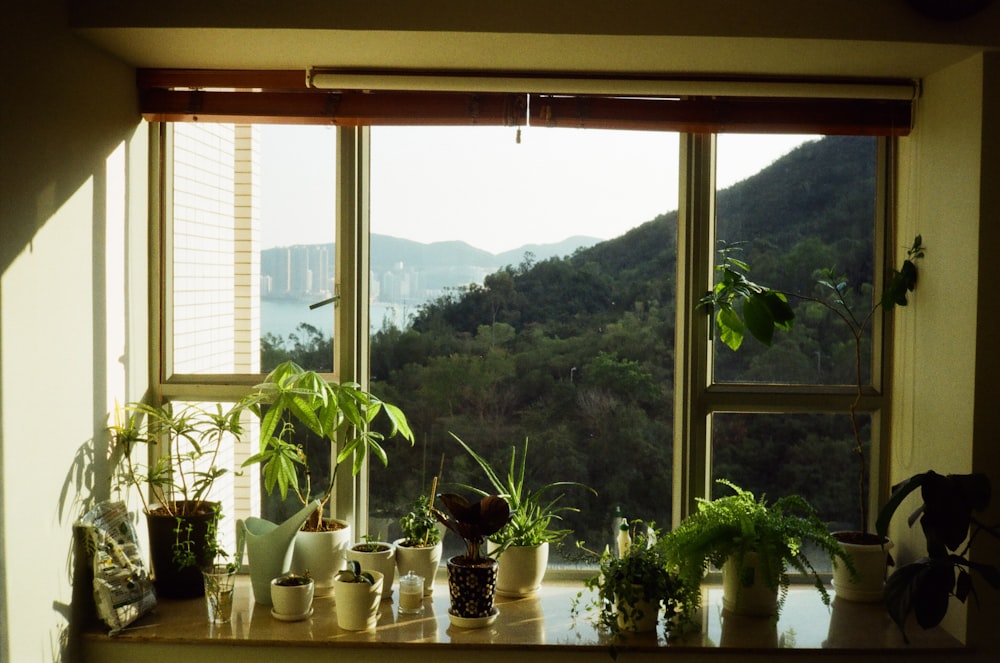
(576, 354)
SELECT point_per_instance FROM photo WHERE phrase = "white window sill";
(542, 624)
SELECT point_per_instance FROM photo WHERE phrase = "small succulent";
(294, 579)
(353, 573)
(473, 521)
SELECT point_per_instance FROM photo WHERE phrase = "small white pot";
(747, 593)
(357, 603)
(871, 563)
(291, 601)
(639, 617)
(322, 554)
(422, 560)
(383, 561)
(521, 569)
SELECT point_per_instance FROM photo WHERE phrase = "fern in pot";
(521, 547)
(755, 543)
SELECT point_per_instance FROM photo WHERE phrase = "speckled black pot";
(472, 586)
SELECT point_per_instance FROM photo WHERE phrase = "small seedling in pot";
(353, 573)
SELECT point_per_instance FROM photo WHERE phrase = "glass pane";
(252, 246)
(525, 291)
(806, 220)
(811, 455)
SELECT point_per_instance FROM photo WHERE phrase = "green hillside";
(576, 354)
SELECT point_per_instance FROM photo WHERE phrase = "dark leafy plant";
(740, 524)
(293, 579)
(353, 573)
(531, 511)
(419, 525)
(473, 521)
(923, 587)
(293, 395)
(740, 306)
(644, 574)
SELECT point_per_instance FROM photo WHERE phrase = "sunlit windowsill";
(543, 623)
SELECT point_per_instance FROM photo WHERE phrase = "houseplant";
(629, 591)
(754, 543)
(472, 577)
(522, 546)
(357, 593)
(419, 549)
(292, 596)
(175, 486)
(340, 413)
(924, 587)
(377, 556)
(740, 305)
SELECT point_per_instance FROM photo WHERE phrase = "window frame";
(695, 397)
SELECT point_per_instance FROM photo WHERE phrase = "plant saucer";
(473, 622)
(291, 618)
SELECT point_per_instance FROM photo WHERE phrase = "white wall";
(72, 304)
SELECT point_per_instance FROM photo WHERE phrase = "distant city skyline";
(430, 184)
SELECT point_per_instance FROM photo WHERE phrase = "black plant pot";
(169, 580)
(472, 586)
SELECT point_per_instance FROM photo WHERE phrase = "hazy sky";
(480, 186)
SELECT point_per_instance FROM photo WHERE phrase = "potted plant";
(292, 596)
(754, 543)
(357, 593)
(631, 590)
(472, 577)
(378, 556)
(419, 549)
(175, 487)
(740, 305)
(924, 587)
(340, 413)
(521, 547)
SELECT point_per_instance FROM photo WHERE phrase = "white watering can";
(269, 548)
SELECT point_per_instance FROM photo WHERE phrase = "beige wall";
(72, 306)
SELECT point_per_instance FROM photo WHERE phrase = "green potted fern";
(755, 543)
(521, 547)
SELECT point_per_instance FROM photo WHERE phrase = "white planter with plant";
(378, 556)
(521, 548)
(420, 548)
(357, 594)
(292, 596)
(740, 305)
(340, 413)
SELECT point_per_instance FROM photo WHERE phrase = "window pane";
(811, 455)
(813, 210)
(526, 291)
(252, 247)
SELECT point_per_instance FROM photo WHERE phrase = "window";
(227, 279)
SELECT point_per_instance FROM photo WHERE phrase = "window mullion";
(695, 228)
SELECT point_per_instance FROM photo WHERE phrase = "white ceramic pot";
(291, 601)
(521, 569)
(357, 603)
(871, 563)
(383, 561)
(746, 593)
(638, 617)
(422, 560)
(322, 554)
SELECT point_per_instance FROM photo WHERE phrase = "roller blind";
(658, 104)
